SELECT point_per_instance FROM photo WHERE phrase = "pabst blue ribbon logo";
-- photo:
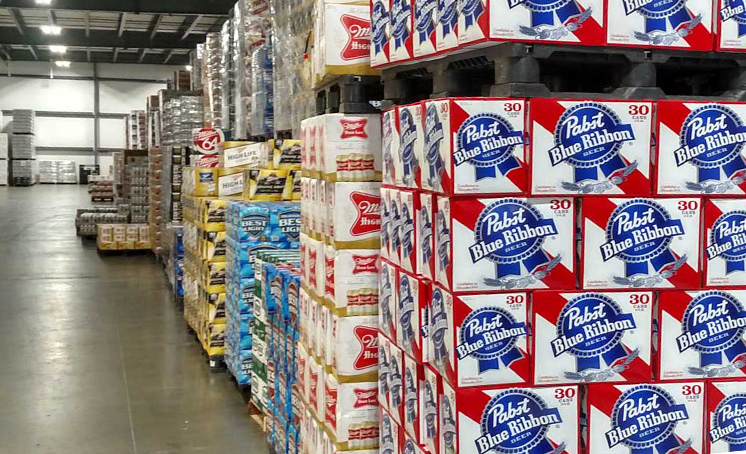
(408, 137)
(589, 137)
(388, 444)
(448, 424)
(406, 310)
(439, 328)
(407, 231)
(408, 447)
(644, 419)
(728, 240)
(395, 226)
(590, 327)
(734, 10)
(401, 11)
(510, 233)
(379, 22)
(448, 18)
(383, 370)
(713, 325)
(254, 224)
(385, 222)
(395, 383)
(490, 336)
(423, 19)
(517, 421)
(639, 232)
(444, 241)
(433, 137)
(289, 223)
(712, 139)
(386, 293)
(569, 16)
(729, 422)
(486, 141)
(431, 411)
(411, 397)
(426, 234)
(471, 10)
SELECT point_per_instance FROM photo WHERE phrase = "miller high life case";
(725, 242)
(512, 420)
(351, 282)
(351, 413)
(474, 146)
(662, 418)
(355, 215)
(681, 24)
(726, 413)
(480, 340)
(412, 298)
(410, 134)
(350, 147)
(425, 20)
(730, 22)
(640, 243)
(585, 337)
(380, 32)
(701, 148)
(489, 245)
(426, 236)
(400, 45)
(587, 147)
(387, 300)
(702, 335)
(354, 348)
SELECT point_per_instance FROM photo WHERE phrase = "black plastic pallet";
(350, 94)
(547, 70)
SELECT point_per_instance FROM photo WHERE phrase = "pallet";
(350, 94)
(257, 416)
(551, 70)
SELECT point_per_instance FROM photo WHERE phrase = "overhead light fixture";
(44, 2)
(58, 49)
(188, 67)
(62, 63)
(51, 29)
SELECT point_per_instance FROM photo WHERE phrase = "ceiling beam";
(122, 23)
(116, 55)
(99, 38)
(87, 24)
(143, 54)
(190, 24)
(155, 24)
(190, 7)
(52, 17)
(17, 20)
(81, 56)
(32, 49)
(169, 56)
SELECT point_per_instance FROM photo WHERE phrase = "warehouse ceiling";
(109, 31)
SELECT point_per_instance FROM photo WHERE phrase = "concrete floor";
(94, 356)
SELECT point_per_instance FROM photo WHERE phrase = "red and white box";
(680, 24)
(400, 44)
(571, 22)
(355, 215)
(475, 146)
(350, 148)
(409, 445)
(386, 224)
(589, 147)
(354, 348)
(663, 418)
(351, 283)
(390, 433)
(726, 410)
(411, 138)
(730, 22)
(701, 148)
(384, 369)
(489, 245)
(390, 146)
(425, 21)
(351, 413)
(380, 32)
(396, 383)
(586, 337)
(480, 340)
(412, 297)
(432, 388)
(478, 421)
(640, 243)
(724, 254)
(702, 335)
(426, 236)
(413, 384)
(387, 300)
(395, 227)
(446, 28)
(409, 207)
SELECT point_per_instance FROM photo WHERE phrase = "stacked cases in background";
(117, 172)
(153, 113)
(24, 169)
(58, 172)
(213, 80)
(4, 155)
(123, 237)
(100, 188)
(155, 217)
(136, 130)
(136, 184)
(340, 257)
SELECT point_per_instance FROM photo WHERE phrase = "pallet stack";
(24, 167)
(4, 155)
(155, 217)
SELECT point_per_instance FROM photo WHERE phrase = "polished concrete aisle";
(94, 356)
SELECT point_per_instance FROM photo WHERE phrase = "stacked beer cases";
(535, 281)
(155, 217)
(340, 258)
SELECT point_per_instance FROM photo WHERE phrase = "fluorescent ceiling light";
(43, 2)
(51, 29)
(62, 64)
(188, 67)
(58, 49)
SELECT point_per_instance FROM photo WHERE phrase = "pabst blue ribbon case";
(412, 297)
(590, 147)
(413, 384)
(390, 146)
(701, 148)
(645, 418)
(683, 24)
(409, 249)
(387, 299)
(386, 223)
(432, 388)
(411, 137)
(702, 334)
(396, 382)
(446, 28)
(384, 369)
(726, 413)
(474, 146)
(499, 244)
(640, 243)
(400, 46)
(480, 340)
(510, 421)
(390, 434)
(584, 337)
(731, 26)
(380, 32)
(395, 225)
(725, 242)
(425, 19)
(426, 236)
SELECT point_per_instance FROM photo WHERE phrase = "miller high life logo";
(365, 264)
(365, 398)
(368, 339)
(353, 128)
(358, 38)
(368, 213)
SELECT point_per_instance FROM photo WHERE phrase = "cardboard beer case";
(351, 281)
(354, 348)
(384, 369)
(501, 244)
(429, 421)
(401, 41)
(385, 223)
(474, 146)
(409, 249)
(393, 207)
(411, 137)
(387, 300)
(355, 215)
(380, 32)
(425, 235)
(351, 414)
(724, 242)
(396, 383)
(589, 147)
(390, 147)
(390, 433)
(701, 148)
(725, 417)
(640, 243)
(480, 340)
(677, 24)
(588, 337)
(411, 315)
(702, 334)
(425, 20)
(518, 419)
(413, 382)
(629, 418)
(350, 147)
(730, 24)
(446, 27)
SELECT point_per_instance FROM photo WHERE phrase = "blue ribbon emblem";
(407, 231)
(439, 328)
(592, 313)
(379, 22)
(486, 141)
(406, 310)
(728, 240)
(639, 233)
(448, 424)
(411, 398)
(383, 371)
(385, 224)
(426, 235)
(714, 324)
(423, 18)
(401, 11)
(448, 18)
(396, 382)
(386, 292)
(712, 139)
(395, 226)
(388, 444)
(544, 11)
(510, 233)
(443, 241)
(630, 422)
(407, 139)
(657, 13)
(471, 10)
(526, 408)
(588, 137)
(490, 336)
(729, 410)
(431, 412)
(433, 137)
